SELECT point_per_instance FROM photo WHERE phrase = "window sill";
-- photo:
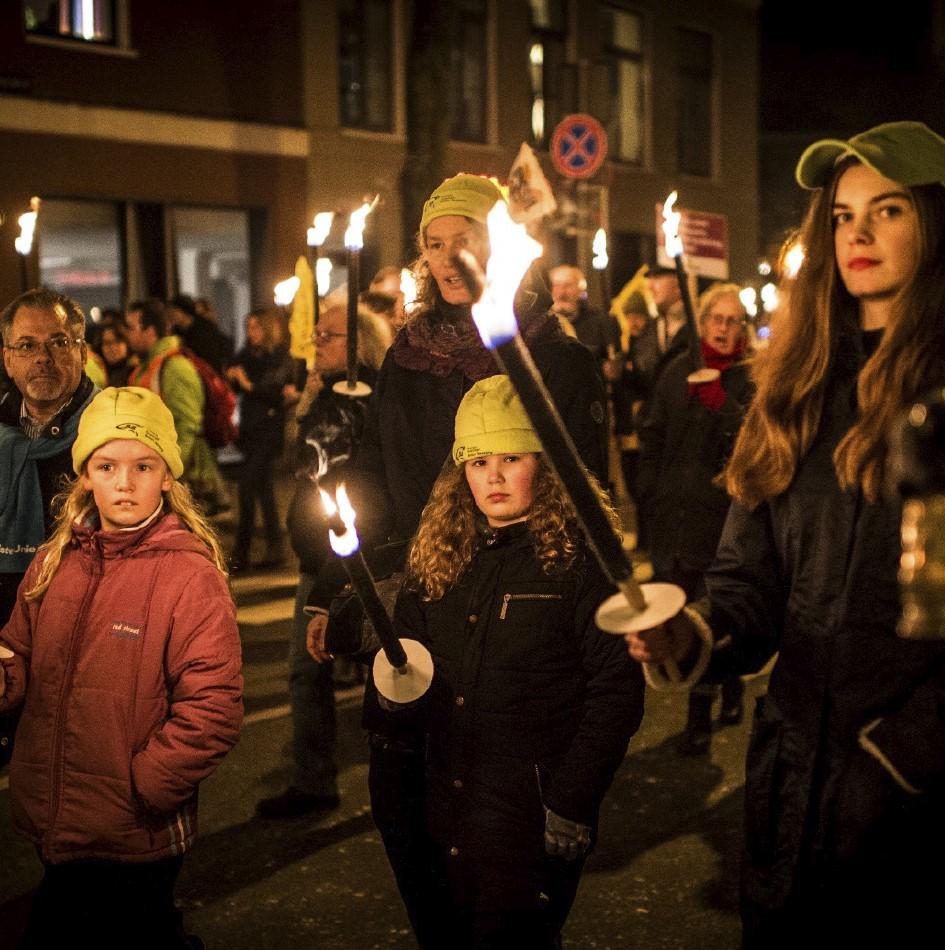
(394, 138)
(81, 46)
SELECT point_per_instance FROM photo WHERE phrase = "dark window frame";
(695, 154)
(355, 107)
(616, 55)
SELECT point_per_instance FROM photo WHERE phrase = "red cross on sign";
(578, 146)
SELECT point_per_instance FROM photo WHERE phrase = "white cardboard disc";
(706, 375)
(409, 686)
(359, 390)
(6, 654)
(663, 601)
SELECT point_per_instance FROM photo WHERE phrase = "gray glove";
(568, 839)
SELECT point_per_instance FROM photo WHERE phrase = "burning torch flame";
(749, 298)
(793, 259)
(408, 287)
(671, 221)
(27, 223)
(769, 297)
(323, 275)
(354, 235)
(284, 292)
(512, 254)
(317, 234)
(347, 543)
(599, 247)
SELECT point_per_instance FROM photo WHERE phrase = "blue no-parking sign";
(578, 146)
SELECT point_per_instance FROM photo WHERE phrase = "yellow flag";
(638, 284)
(302, 319)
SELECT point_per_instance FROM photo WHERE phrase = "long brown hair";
(77, 503)
(452, 528)
(791, 375)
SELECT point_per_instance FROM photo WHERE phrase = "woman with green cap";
(532, 706)
(124, 651)
(408, 432)
(845, 779)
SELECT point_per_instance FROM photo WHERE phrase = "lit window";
(92, 21)
(623, 40)
(546, 56)
(694, 133)
(364, 57)
(80, 251)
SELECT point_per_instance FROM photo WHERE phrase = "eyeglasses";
(717, 320)
(57, 347)
(326, 336)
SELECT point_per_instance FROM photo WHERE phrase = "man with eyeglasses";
(44, 354)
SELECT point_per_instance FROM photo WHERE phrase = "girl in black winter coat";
(845, 779)
(532, 706)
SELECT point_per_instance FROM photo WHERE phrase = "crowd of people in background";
(486, 792)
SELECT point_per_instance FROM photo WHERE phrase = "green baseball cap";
(906, 152)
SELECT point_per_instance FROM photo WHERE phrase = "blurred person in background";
(263, 375)
(329, 432)
(687, 438)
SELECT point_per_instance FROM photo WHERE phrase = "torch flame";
(599, 247)
(354, 235)
(671, 219)
(27, 223)
(793, 259)
(512, 254)
(408, 287)
(284, 292)
(347, 543)
(323, 275)
(322, 225)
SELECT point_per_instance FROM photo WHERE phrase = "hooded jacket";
(129, 666)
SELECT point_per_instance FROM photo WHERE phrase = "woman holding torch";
(686, 439)
(532, 706)
(845, 780)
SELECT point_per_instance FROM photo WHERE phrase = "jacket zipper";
(508, 598)
(57, 768)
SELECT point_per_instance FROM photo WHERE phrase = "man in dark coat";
(44, 354)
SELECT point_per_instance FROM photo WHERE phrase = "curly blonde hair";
(452, 529)
(77, 503)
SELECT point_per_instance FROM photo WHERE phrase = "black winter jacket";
(532, 704)
(812, 574)
(684, 445)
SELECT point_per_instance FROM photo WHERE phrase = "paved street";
(663, 876)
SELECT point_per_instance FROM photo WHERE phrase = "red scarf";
(712, 395)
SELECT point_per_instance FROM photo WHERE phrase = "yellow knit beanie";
(472, 196)
(492, 421)
(129, 412)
